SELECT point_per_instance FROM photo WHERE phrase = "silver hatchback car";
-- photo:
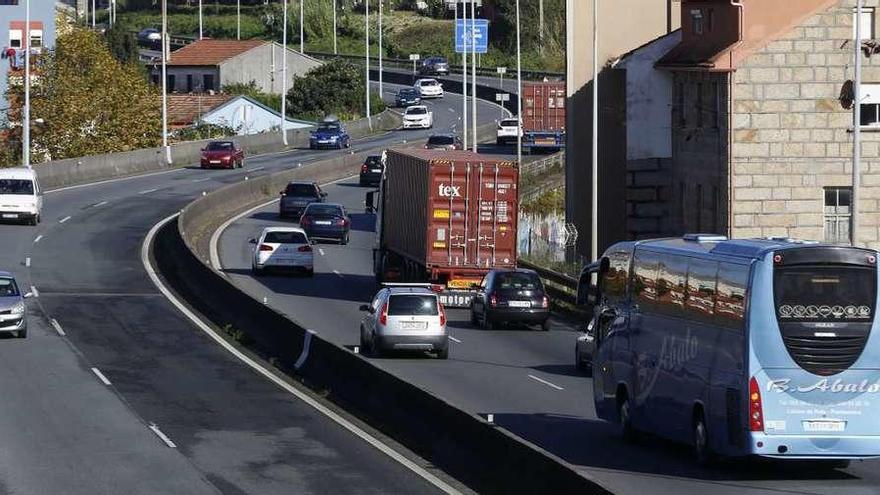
(405, 317)
(13, 312)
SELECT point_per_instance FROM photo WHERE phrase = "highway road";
(524, 377)
(115, 391)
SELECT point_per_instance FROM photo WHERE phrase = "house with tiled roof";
(242, 114)
(207, 65)
(757, 136)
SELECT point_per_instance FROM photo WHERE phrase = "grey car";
(297, 196)
(13, 312)
(405, 317)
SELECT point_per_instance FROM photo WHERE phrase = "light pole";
(335, 50)
(367, 69)
(380, 49)
(857, 124)
(238, 20)
(200, 20)
(474, 73)
(518, 88)
(94, 13)
(26, 120)
(464, 91)
(284, 75)
(594, 208)
(302, 38)
(165, 82)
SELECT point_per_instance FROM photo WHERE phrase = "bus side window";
(671, 285)
(701, 288)
(613, 283)
(644, 281)
(733, 281)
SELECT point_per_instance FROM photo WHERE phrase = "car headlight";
(334, 138)
(18, 309)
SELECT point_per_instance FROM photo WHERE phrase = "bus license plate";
(413, 325)
(824, 426)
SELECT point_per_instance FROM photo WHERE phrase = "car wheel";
(39, 218)
(545, 325)
(486, 321)
(375, 348)
(702, 451)
(33, 221)
(578, 362)
(257, 272)
(627, 431)
(22, 334)
(474, 320)
(344, 240)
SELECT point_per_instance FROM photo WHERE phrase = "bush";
(337, 87)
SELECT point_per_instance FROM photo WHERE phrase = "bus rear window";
(825, 293)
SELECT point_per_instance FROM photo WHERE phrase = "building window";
(36, 38)
(870, 107)
(172, 80)
(15, 38)
(208, 82)
(838, 214)
(189, 83)
(867, 23)
(697, 21)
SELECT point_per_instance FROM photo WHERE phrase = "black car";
(297, 196)
(326, 221)
(436, 66)
(371, 171)
(511, 296)
(407, 97)
(448, 142)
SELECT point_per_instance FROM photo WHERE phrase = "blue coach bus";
(740, 347)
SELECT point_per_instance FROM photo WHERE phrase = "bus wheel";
(627, 431)
(701, 440)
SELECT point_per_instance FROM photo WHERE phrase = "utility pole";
(26, 118)
(857, 126)
(165, 82)
(594, 209)
(381, 92)
(238, 19)
(302, 36)
(474, 73)
(367, 66)
(201, 32)
(541, 25)
(518, 88)
(335, 49)
(284, 76)
(94, 15)
(464, 77)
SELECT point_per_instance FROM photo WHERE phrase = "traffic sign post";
(472, 37)
(415, 58)
(502, 97)
(501, 71)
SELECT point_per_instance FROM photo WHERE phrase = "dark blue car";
(407, 97)
(330, 134)
(326, 221)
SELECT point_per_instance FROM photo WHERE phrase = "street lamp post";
(165, 82)
(94, 14)
(26, 118)
(284, 74)
(474, 73)
(238, 20)
(302, 37)
(335, 50)
(367, 66)
(857, 124)
(518, 88)
(464, 69)
(380, 49)
(594, 208)
(201, 32)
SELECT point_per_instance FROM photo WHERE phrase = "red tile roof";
(184, 110)
(212, 52)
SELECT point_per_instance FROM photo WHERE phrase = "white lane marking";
(102, 203)
(27, 262)
(162, 436)
(57, 327)
(545, 382)
(451, 110)
(253, 169)
(307, 343)
(321, 251)
(101, 376)
(454, 339)
(203, 180)
(376, 443)
(213, 245)
(34, 291)
(336, 272)
(38, 238)
(148, 191)
(64, 219)
(118, 179)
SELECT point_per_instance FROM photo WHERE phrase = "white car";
(21, 199)
(418, 117)
(429, 88)
(507, 131)
(283, 249)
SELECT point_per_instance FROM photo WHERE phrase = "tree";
(336, 87)
(91, 103)
(122, 44)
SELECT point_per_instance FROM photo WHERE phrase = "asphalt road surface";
(112, 375)
(526, 378)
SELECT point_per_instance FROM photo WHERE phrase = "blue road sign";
(463, 41)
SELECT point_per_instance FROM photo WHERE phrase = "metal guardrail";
(561, 287)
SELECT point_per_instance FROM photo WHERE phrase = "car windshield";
(318, 209)
(220, 146)
(441, 140)
(8, 287)
(285, 238)
(407, 93)
(520, 281)
(329, 126)
(429, 83)
(439, 60)
(17, 186)
(417, 111)
(508, 123)
(301, 190)
(373, 160)
(412, 305)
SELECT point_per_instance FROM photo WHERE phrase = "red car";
(222, 154)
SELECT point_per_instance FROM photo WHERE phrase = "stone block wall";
(792, 137)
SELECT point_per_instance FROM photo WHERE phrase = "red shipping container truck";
(543, 115)
(445, 217)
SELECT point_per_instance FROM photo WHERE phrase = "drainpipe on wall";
(731, 99)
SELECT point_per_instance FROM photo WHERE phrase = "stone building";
(761, 122)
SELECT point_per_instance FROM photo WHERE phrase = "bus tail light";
(756, 413)
(383, 316)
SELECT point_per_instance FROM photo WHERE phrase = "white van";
(21, 198)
